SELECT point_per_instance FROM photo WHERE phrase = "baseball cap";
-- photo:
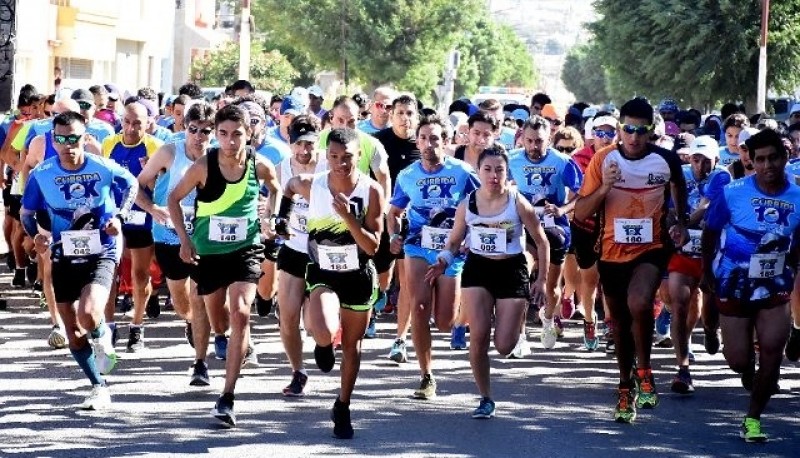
(683, 143)
(589, 112)
(152, 109)
(588, 128)
(549, 112)
(253, 109)
(706, 146)
(671, 129)
(316, 91)
(746, 133)
(293, 106)
(795, 108)
(604, 121)
(668, 105)
(113, 91)
(301, 94)
(520, 114)
(302, 131)
(82, 95)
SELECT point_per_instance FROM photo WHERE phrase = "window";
(76, 69)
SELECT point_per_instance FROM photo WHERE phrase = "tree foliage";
(584, 75)
(269, 70)
(493, 55)
(700, 52)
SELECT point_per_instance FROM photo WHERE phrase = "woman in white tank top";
(495, 279)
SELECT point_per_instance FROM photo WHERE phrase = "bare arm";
(195, 178)
(160, 162)
(368, 234)
(266, 172)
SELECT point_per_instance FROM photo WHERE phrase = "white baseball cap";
(316, 91)
(588, 129)
(605, 121)
(745, 134)
(706, 146)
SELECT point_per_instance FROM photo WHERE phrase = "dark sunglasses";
(71, 139)
(84, 105)
(381, 105)
(565, 149)
(600, 133)
(555, 122)
(193, 130)
(254, 121)
(634, 129)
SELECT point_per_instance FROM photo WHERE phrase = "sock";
(86, 360)
(99, 331)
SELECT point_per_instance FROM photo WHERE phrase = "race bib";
(633, 231)
(226, 229)
(136, 218)
(693, 245)
(489, 240)
(81, 243)
(547, 220)
(434, 238)
(188, 220)
(766, 265)
(338, 258)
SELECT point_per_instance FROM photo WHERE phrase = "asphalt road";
(552, 403)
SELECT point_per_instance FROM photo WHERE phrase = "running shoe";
(793, 345)
(57, 338)
(458, 338)
(296, 386)
(662, 341)
(522, 349)
(380, 304)
(549, 332)
(19, 278)
(663, 321)
(199, 374)
(153, 308)
(38, 286)
(125, 304)
(223, 410)
(625, 411)
(263, 306)
(42, 301)
(189, 334)
(682, 383)
(590, 340)
(325, 358)
(114, 334)
(31, 272)
(711, 340)
(559, 326)
(105, 354)
(691, 356)
(250, 359)
(371, 332)
(221, 347)
(646, 395)
(427, 388)
(398, 353)
(135, 339)
(567, 308)
(340, 415)
(11, 262)
(98, 399)
(485, 409)
(751, 431)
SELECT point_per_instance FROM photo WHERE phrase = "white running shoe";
(105, 354)
(57, 338)
(549, 331)
(522, 349)
(98, 399)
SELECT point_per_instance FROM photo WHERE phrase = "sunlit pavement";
(552, 403)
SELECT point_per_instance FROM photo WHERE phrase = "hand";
(341, 205)
(41, 243)
(435, 271)
(552, 209)
(113, 227)
(679, 235)
(538, 291)
(396, 244)
(160, 215)
(268, 228)
(611, 174)
(143, 161)
(708, 283)
(188, 253)
(282, 227)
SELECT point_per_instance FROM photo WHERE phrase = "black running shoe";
(32, 271)
(153, 308)
(325, 358)
(199, 374)
(135, 340)
(342, 428)
(793, 345)
(296, 388)
(19, 278)
(223, 410)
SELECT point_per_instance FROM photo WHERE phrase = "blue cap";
(293, 106)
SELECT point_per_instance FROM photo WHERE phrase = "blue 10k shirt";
(754, 261)
(433, 196)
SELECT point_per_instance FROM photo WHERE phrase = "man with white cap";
(744, 165)
(315, 99)
(685, 266)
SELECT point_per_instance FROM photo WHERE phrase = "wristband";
(446, 256)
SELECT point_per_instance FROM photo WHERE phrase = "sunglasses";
(565, 149)
(634, 129)
(381, 105)
(555, 122)
(84, 105)
(194, 130)
(604, 134)
(71, 139)
(254, 121)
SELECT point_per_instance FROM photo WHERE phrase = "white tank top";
(299, 217)
(330, 243)
(496, 235)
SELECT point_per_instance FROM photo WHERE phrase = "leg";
(179, 291)
(291, 296)
(218, 316)
(553, 289)
(681, 289)
(738, 335)
(323, 315)
(478, 304)
(421, 304)
(646, 278)
(354, 323)
(403, 301)
(47, 288)
(572, 277)
(268, 282)
(141, 258)
(772, 329)
(201, 326)
(240, 299)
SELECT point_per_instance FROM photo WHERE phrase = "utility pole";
(343, 47)
(244, 42)
(761, 93)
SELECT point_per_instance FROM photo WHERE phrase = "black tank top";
(215, 181)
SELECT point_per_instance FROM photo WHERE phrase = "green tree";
(269, 70)
(700, 52)
(493, 55)
(583, 74)
(404, 42)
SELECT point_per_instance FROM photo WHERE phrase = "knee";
(505, 344)
(240, 317)
(739, 362)
(640, 306)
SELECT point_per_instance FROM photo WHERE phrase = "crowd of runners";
(642, 222)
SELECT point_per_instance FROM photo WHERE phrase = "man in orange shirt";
(629, 185)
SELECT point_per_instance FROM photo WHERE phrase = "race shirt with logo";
(80, 203)
(545, 181)
(754, 263)
(298, 218)
(165, 184)
(497, 235)
(696, 191)
(433, 199)
(633, 213)
(726, 157)
(131, 157)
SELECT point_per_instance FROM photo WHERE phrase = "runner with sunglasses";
(549, 180)
(379, 111)
(629, 185)
(160, 176)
